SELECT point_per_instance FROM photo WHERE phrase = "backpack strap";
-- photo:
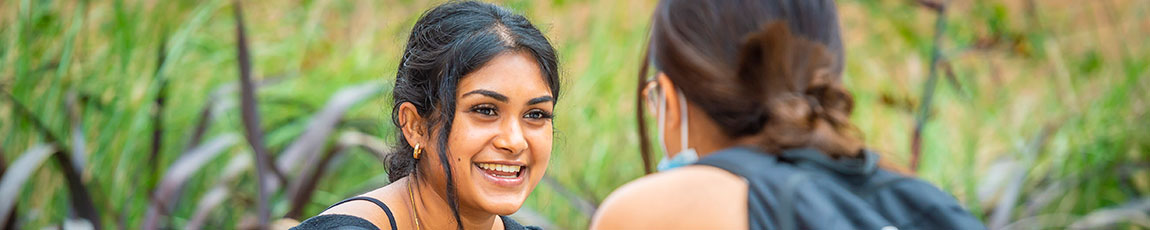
(763, 199)
(787, 210)
(741, 161)
(881, 181)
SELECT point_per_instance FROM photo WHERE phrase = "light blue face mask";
(685, 156)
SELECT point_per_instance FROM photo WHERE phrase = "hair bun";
(797, 90)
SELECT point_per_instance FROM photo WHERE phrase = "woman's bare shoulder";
(690, 197)
(368, 210)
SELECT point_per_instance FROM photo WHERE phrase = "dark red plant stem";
(928, 89)
(157, 115)
(251, 116)
(305, 185)
(81, 200)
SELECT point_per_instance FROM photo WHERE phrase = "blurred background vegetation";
(129, 113)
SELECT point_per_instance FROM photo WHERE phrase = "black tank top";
(340, 221)
(348, 222)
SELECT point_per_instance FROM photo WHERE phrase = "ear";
(673, 116)
(412, 125)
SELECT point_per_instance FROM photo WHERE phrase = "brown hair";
(765, 70)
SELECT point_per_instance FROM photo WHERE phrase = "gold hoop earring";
(417, 151)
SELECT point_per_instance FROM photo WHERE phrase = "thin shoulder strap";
(390, 218)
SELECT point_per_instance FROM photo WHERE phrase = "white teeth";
(501, 167)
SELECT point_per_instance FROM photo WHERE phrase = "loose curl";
(802, 103)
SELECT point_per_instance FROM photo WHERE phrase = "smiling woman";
(473, 102)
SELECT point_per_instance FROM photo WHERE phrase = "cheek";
(430, 168)
(540, 143)
(467, 138)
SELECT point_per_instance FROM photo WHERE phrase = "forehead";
(511, 73)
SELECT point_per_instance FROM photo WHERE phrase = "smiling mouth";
(504, 174)
(501, 170)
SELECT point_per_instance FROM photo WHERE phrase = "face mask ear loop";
(662, 117)
(683, 120)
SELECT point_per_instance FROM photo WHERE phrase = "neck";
(705, 135)
(707, 147)
(434, 212)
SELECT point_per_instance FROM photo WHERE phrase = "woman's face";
(500, 140)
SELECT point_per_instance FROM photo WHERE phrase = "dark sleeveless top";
(806, 189)
(347, 222)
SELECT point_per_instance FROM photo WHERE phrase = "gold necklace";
(413, 212)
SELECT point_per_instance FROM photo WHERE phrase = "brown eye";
(485, 109)
(537, 115)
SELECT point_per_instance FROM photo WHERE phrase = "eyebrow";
(488, 93)
(542, 99)
(503, 98)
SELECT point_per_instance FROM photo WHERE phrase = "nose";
(510, 138)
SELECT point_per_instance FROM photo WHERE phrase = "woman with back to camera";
(754, 119)
(473, 102)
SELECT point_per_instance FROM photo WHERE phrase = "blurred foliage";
(1039, 117)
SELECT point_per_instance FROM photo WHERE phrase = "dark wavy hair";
(447, 43)
(769, 70)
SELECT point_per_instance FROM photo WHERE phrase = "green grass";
(1078, 70)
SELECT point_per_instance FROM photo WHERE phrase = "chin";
(500, 191)
(504, 210)
(502, 207)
